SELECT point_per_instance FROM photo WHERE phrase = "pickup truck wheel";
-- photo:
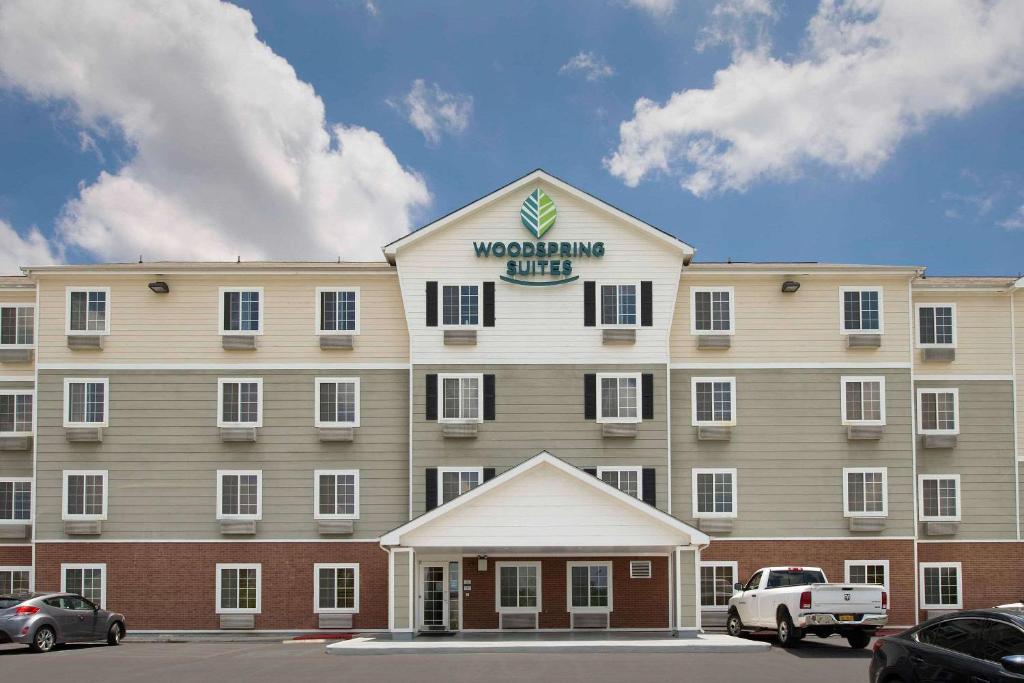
(858, 639)
(788, 634)
(733, 625)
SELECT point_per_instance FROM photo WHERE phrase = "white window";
(711, 310)
(241, 310)
(629, 480)
(337, 402)
(941, 585)
(240, 402)
(518, 586)
(865, 491)
(337, 310)
(85, 495)
(460, 305)
(640, 569)
(713, 400)
(938, 411)
(461, 398)
(15, 580)
(620, 305)
(238, 589)
(714, 492)
(869, 571)
(454, 481)
(336, 494)
(17, 325)
(239, 494)
(86, 402)
(936, 325)
(87, 580)
(940, 497)
(716, 582)
(88, 310)
(618, 398)
(860, 310)
(863, 400)
(16, 412)
(589, 586)
(335, 588)
(15, 500)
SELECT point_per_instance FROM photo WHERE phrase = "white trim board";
(218, 366)
(790, 366)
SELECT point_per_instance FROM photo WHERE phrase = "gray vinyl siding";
(537, 408)
(688, 609)
(983, 457)
(163, 449)
(789, 448)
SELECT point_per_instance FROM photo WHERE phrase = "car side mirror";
(1013, 663)
(738, 587)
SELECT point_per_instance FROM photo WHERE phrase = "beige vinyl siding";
(773, 327)
(183, 326)
(789, 449)
(19, 370)
(688, 570)
(983, 338)
(983, 458)
(401, 589)
(163, 449)
(538, 408)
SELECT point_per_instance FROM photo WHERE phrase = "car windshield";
(780, 578)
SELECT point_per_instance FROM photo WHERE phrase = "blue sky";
(938, 183)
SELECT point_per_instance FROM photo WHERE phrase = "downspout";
(913, 450)
(1016, 415)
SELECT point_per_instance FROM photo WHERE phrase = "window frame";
(921, 391)
(959, 584)
(921, 479)
(259, 588)
(848, 379)
(440, 480)
(694, 381)
(317, 311)
(479, 305)
(497, 587)
(638, 377)
(884, 471)
(600, 305)
(480, 397)
(842, 310)
(732, 310)
(317, 609)
(18, 568)
(568, 587)
(102, 566)
(31, 501)
(259, 495)
(220, 312)
(716, 564)
(848, 564)
(316, 494)
(917, 325)
(735, 492)
(221, 381)
(625, 468)
(317, 383)
(67, 311)
(35, 324)
(68, 381)
(65, 515)
(24, 392)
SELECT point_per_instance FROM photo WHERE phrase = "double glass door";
(440, 590)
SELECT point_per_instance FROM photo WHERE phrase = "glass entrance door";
(435, 597)
(454, 593)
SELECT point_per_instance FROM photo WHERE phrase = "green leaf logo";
(538, 213)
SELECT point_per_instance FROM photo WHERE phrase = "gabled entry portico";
(543, 546)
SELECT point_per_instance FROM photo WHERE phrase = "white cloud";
(741, 24)
(872, 72)
(23, 250)
(658, 8)
(232, 153)
(591, 66)
(1015, 221)
(434, 111)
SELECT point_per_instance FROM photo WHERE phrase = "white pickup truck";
(794, 601)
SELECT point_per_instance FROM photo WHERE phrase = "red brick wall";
(15, 556)
(830, 556)
(173, 585)
(636, 603)
(991, 571)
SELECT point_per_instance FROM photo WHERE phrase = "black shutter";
(431, 397)
(650, 497)
(647, 396)
(589, 304)
(431, 304)
(488, 397)
(646, 303)
(488, 473)
(431, 488)
(227, 311)
(590, 396)
(592, 471)
(488, 304)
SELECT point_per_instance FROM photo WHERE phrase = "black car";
(978, 646)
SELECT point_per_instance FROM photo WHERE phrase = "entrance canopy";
(545, 505)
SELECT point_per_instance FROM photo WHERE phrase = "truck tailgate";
(846, 598)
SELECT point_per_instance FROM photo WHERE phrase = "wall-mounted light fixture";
(160, 287)
(481, 563)
(790, 286)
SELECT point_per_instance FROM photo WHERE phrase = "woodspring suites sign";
(539, 263)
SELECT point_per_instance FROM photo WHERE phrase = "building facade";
(537, 412)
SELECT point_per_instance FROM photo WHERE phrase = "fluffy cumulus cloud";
(433, 111)
(741, 24)
(589, 65)
(871, 72)
(23, 250)
(232, 154)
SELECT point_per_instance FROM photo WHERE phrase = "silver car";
(45, 620)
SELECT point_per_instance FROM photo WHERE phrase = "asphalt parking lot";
(816, 660)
